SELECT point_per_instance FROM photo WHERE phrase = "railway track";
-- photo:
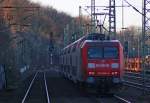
(140, 75)
(139, 86)
(37, 91)
(106, 98)
(137, 80)
(122, 100)
(109, 99)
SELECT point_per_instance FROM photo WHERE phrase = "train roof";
(98, 42)
(112, 41)
(94, 37)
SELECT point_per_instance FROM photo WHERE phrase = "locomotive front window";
(95, 53)
(111, 52)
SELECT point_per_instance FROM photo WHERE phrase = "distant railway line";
(122, 100)
(108, 99)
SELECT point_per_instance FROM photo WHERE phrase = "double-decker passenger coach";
(94, 61)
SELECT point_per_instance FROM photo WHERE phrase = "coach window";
(111, 52)
(64, 52)
(70, 60)
(62, 61)
(69, 50)
(74, 47)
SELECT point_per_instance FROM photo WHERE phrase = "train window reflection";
(111, 52)
(95, 53)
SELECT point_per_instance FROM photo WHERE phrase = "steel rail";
(132, 73)
(137, 76)
(47, 94)
(132, 85)
(29, 88)
(121, 99)
(134, 77)
(137, 85)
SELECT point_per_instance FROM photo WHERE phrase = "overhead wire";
(137, 10)
(133, 7)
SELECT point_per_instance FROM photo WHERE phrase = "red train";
(92, 60)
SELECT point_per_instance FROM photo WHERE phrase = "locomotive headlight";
(90, 80)
(91, 65)
(114, 65)
(116, 80)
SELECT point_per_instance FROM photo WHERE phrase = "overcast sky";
(131, 17)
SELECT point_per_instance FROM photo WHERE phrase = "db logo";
(102, 65)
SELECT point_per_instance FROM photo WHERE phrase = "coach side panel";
(79, 65)
(77, 72)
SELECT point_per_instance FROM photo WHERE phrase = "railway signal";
(126, 45)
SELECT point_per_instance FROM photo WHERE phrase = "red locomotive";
(93, 60)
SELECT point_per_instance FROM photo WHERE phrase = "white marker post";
(51, 59)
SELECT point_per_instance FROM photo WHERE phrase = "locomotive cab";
(103, 62)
